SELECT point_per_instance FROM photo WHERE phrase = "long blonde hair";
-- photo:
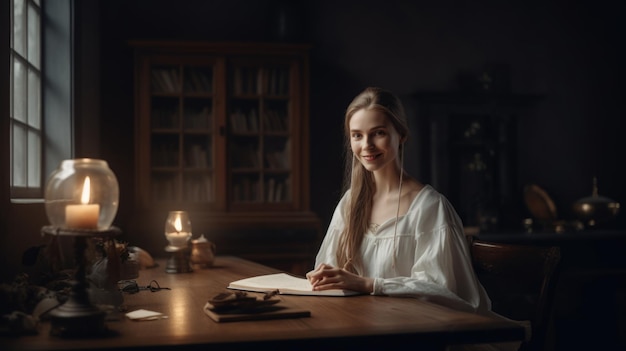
(358, 179)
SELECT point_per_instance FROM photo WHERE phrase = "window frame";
(31, 125)
(56, 94)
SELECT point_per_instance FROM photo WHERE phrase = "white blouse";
(432, 259)
(432, 255)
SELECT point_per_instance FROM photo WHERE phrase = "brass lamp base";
(178, 261)
(77, 317)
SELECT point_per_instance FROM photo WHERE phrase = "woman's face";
(373, 139)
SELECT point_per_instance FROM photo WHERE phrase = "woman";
(391, 234)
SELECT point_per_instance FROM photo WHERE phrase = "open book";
(285, 284)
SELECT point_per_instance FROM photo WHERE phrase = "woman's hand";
(326, 277)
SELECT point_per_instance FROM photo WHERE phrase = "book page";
(285, 284)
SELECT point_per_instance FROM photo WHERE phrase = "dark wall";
(569, 53)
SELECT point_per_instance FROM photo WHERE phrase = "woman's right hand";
(315, 275)
(326, 277)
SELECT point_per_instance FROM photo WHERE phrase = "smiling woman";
(390, 234)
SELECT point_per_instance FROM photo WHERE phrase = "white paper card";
(144, 315)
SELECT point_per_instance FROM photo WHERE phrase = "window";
(40, 108)
(25, 116)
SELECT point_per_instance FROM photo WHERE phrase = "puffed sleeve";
(441, 270)
(439, 274)
(328, 248)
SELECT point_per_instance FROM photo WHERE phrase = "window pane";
(19, 27)
(20, 97)
(19, 156)
(34, 99)
(11, 90)
(34, 56)
(34, 159)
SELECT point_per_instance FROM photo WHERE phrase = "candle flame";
(84, 199)
(177, 225)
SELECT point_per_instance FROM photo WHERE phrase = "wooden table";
(357, 321)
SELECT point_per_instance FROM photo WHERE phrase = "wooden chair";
(521, 281)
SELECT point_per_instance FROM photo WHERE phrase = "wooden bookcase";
(222, 132)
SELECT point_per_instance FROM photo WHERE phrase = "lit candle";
(85, 215)
(178, 238)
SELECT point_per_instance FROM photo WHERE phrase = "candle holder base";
(77, 317)
(178, 261)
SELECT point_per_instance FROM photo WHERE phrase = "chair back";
(520, 281)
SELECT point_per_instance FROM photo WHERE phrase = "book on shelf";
(247, 189)
(278, 196)
(164, 117)
(270, 189)
(165, 80)
(246, 80)
(286, 284)
(253, 120)
(276, 190)
(198, 81)
(275, 121)
(198, 189)
(242, 122)
(278, 159)
(278, 81)
(259, 79)
(197, 157)
(164, 155)
(245, 156)
(198, 118)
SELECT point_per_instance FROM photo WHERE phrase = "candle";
(85, 215)
(178, 238)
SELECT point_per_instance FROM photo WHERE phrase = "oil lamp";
(178, 233)
(81, 200)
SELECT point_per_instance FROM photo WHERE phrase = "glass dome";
(82, 194)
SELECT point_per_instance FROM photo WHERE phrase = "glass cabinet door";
(182, 139)
(260, 134)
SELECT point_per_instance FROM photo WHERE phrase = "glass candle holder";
(82, 194)
(178, 229)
